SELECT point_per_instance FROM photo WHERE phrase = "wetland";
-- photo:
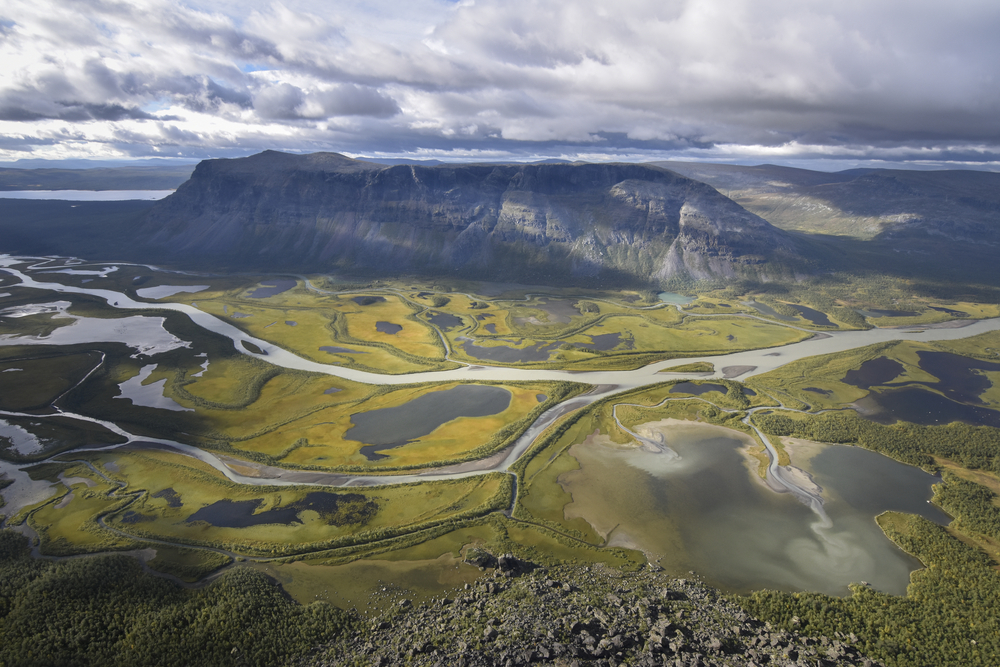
(194, 380)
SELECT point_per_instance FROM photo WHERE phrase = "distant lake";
(86, 195)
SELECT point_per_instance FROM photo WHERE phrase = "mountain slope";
(586, 222)
(886, 204)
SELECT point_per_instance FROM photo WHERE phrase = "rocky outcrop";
(567, 616)
(556, 222)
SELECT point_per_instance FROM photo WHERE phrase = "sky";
(800, 82)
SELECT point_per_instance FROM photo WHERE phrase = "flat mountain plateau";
(375, 414)
(551, 222)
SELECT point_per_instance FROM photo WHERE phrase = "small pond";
(240, 514)
(767, 311)
(873, 373)
(388, 428)
(509, 355)
(675, 299)
(920, 406)
(814, 316)
(697, 389)
(606, 342)
(444, 320)
(388, 328)
(272, 287)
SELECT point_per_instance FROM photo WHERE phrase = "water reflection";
(708, 512)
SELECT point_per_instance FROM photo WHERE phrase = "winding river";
(605, 383)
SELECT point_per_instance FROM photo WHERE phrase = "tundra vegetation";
(363, 548)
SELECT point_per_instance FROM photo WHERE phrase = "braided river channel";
(687, 497)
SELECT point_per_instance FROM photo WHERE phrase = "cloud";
(656, 78)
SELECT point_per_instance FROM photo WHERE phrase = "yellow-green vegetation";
(644, 337)
(189, 565)
(818, 382)
(321, 439)
(696, 367)
(373, 583)
(823, 373)
(303, 322)
(251, 409)
(184, 503)
(67, 523)
(948, 616)
(41, 375)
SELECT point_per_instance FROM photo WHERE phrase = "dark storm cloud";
(777, 79)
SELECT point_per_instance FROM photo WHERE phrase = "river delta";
(681, 492)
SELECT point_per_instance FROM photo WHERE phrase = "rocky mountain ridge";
(575, 616)
(606, 223)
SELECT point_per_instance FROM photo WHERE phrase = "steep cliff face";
(588, 221)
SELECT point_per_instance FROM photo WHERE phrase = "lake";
(707, 511)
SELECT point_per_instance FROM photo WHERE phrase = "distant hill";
(116, 178)
(903, 206)
(605, 223)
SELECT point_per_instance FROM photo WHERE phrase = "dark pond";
(747, 391)
(271, 288)
(483, 316)
(240, 514)
(697, 389)
(388, 328)
(958, 379)
(919, 406)
(541, 398)
(332, 390)
(131, 518)
(605, 342)
(239, 315)
(509, 355)
(949, 311)
(444, 320)
(394, 427)
(291, 323)
(367, 299)
(817, 390)
(172, 497)
(814, 316)
(873, 372)
(490, 328)
(765, 309)
(335, 508)
(875, 312)
(333, 349)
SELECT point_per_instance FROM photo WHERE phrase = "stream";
(605, 383)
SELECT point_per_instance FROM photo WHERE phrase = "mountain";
(159, 177)
(607, 223)
(905, 207)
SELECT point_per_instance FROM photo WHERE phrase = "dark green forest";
(105, 610)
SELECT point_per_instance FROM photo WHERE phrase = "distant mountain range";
(158, 177)
(553, 222)
(902, 206)
(549, 222)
